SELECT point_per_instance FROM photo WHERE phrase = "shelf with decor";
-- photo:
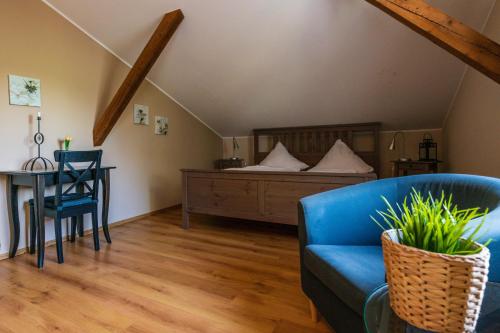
(427, 160)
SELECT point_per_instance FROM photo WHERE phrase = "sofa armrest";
(342, 216)
(491, 230)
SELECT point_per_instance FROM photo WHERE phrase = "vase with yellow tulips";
(67, 142)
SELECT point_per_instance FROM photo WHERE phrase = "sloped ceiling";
(240, 64)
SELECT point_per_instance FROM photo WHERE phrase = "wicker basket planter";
(433, 291)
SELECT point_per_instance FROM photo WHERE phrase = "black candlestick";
(39, 139)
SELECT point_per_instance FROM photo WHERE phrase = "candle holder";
(39, 139)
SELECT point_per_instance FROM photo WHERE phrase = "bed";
(272, 196)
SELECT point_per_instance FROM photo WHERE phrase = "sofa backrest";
(468, 191)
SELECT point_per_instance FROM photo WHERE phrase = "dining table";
(38, 181)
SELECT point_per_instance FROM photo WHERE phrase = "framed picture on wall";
(141, 114)
(161, 125)
(24, 91)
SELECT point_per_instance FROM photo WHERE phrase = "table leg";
(39, 205)
(13, 211)
(185, 213)
(79, 218)
(33, 226)
(185, 218)
(105, 203)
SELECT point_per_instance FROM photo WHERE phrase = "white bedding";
(260, 168)
(280, 158)
(341, 159)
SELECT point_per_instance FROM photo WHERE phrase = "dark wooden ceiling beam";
(136, 76)
(457, 38)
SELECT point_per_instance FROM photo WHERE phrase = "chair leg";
(95, 230)
(80, 225)
(314, 312)
(57, 225)
(106, 231)
(73, 229)
(33, 229)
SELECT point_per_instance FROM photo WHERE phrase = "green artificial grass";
(434, 225)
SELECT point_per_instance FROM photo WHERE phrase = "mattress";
(260, 168)
(266, 168)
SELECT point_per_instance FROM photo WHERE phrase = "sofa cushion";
(351, 272)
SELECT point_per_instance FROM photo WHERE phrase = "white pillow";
(341, 159)
(279, 157)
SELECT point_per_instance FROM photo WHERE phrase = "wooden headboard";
(310, 143)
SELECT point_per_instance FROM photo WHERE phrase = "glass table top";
(379, 317)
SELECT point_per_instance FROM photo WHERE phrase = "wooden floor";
(219, 276)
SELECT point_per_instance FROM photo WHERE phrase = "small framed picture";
(24, 91)
(141, 114)
(161, 125)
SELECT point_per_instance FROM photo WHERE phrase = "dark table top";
(379, 317)
(43, 172)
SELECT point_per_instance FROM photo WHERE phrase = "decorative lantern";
(428, 149)
(39, 138)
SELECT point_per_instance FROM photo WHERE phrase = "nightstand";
(229, 163)
(406, 168)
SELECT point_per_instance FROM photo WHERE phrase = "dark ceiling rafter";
(105, 121)
(447, 32)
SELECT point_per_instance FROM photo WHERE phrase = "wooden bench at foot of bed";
(256, 195)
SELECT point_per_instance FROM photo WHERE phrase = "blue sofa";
(340, 248)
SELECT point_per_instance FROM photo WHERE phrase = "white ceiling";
(240, 64)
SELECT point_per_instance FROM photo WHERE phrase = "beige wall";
(412, 139)
(78, 77)
(472, 130)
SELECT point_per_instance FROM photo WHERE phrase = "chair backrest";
(77, 179)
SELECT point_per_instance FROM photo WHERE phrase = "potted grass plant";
(436, 268)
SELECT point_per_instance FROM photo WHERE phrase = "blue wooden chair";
(81, 197)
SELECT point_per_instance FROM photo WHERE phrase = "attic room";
(250, 166)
